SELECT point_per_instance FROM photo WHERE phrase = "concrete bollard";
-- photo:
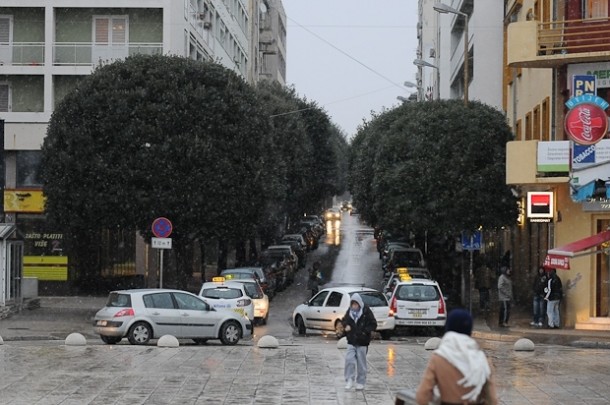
(75, 339)
(432, 343)
(524, 345)
(268, 342)
(1, 341)
(167, 341)
(342, 343)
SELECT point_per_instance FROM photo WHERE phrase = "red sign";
(586, 124)
(552, 261)
(162, 227)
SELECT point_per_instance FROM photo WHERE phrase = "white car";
(141, 315)
(418, 302)
(260, 299)
(325, 310)
(231, 295)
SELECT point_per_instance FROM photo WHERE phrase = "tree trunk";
(240, 253)
(222, 255)
(253, 252)
(202, 265)
(84, 252)
(184, 263)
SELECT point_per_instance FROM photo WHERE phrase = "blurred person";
(505, 296)
(554, 294)
(459, 368)
(358, 324)
(539, 303)
(314, 280)
(482, 282)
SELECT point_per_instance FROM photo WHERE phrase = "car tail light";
(441, 306)
(244, 302)
(392, 307)
(125, 312)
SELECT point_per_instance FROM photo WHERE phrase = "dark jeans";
(539, 309)
(504, 312)
(484, 298)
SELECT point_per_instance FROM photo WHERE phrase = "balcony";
(557, 43)
(87, 54)
(22, 53)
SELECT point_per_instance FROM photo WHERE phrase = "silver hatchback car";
(141, 315)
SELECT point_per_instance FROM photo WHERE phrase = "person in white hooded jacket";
(459, 368)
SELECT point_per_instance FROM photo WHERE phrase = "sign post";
(471, 241)
(161, 228)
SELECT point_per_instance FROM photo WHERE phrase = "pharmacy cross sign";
(162, 227)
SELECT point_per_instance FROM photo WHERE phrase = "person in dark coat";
(554, 294)
(540, 282)
(358, 324)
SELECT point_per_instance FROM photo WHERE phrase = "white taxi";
(260, 299)
(418, 302)
(230, 295)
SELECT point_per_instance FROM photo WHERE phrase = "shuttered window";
(110, 30)
(102, 32)
(4, 97)
(5, 30)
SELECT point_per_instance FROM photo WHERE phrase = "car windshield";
(221, 293)
(406, 258)
(417, 292)
(119, 300)
(372, 298)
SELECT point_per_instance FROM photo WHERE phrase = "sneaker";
(349, 385)
(539, 324)
(533, 323)
(359, 387)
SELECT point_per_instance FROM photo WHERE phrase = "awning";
(559, 258)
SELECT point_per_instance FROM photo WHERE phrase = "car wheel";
(111, 340)
(339, 329)
(264, 320)
(301, 329)
(200, 341)
(230, 333)
(386, 334)
(139, 333)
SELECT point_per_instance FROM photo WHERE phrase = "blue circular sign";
(162, 227)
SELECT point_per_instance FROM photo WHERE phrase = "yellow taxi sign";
(402, 270)
(405, 277)
(218, 279)
(229, 276)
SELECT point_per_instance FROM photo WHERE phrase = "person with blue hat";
(459, 368)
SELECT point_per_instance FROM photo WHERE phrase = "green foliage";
(433, 166)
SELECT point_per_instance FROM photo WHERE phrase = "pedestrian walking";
(554, 294)
(482, 282)
(314, 280)
(505, 296)
(459, 368)
(358, 324)
(539, 303)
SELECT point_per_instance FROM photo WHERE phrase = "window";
(334, 300)
(5, 97)
(545, 136)
(595, 9)
(536, 123)
(418, 293)
(528, 126)
(160, 300)
(6, 39)
(373, 299)
(110, 38)
(221, 292)
(28, 163)
(118, 300)
(318, 300)
(186, 301)
(518, 130)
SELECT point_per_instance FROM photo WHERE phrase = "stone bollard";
(1, 341)
(75, 339)
(167, 341)
(432, 343)
(524, 345)
(268, 342)
(342, 343)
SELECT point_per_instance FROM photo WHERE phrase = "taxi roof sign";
(405, 277)
(218, 279)
(402, 270)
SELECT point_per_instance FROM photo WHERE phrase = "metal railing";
(574, 36)
(22, 53)
(87, 54)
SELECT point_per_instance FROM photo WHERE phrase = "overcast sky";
(380, 34)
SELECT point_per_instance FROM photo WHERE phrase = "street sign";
(472, 241)
(162, 227)
(161, 243)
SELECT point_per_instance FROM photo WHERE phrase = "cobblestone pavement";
(303, 370)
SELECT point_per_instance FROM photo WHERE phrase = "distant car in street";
(141, 315)
(325, 310)
(258, 273)
(223, 294)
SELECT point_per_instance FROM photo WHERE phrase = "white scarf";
(463, 353)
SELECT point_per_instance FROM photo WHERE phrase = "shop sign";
(25, 201)
(586, 123)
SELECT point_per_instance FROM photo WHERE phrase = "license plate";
(102, 323)
(415, 322)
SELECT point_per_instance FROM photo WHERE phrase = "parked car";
(231, 295)
(141, 315)
(298, 250)
(418, 302)
(260, 299)
(404, 257)
(292, 259)
(325, 310)
(262, 275)
(297, 237)
(278, 265)
(403, 274)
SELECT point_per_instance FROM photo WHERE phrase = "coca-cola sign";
(586, 123)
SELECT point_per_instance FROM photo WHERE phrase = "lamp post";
(444, 9)
(422, 63)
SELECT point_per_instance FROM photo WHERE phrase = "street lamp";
(444, 9)
(409, 84)
(422, 63)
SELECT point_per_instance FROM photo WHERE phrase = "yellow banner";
(46, 268)
(29, 201)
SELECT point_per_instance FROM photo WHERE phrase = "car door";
(197, 317)
(163, 314)
(331, 311)
(311, 313)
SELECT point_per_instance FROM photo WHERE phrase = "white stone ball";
(1, 341)
(432, 343)
(342, 343)
(75, 339)
(268, 342)
(524, 345)
(167, 341)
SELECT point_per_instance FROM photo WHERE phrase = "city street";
(303, 370)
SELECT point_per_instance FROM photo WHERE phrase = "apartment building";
(556, 90)
(46, 46)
